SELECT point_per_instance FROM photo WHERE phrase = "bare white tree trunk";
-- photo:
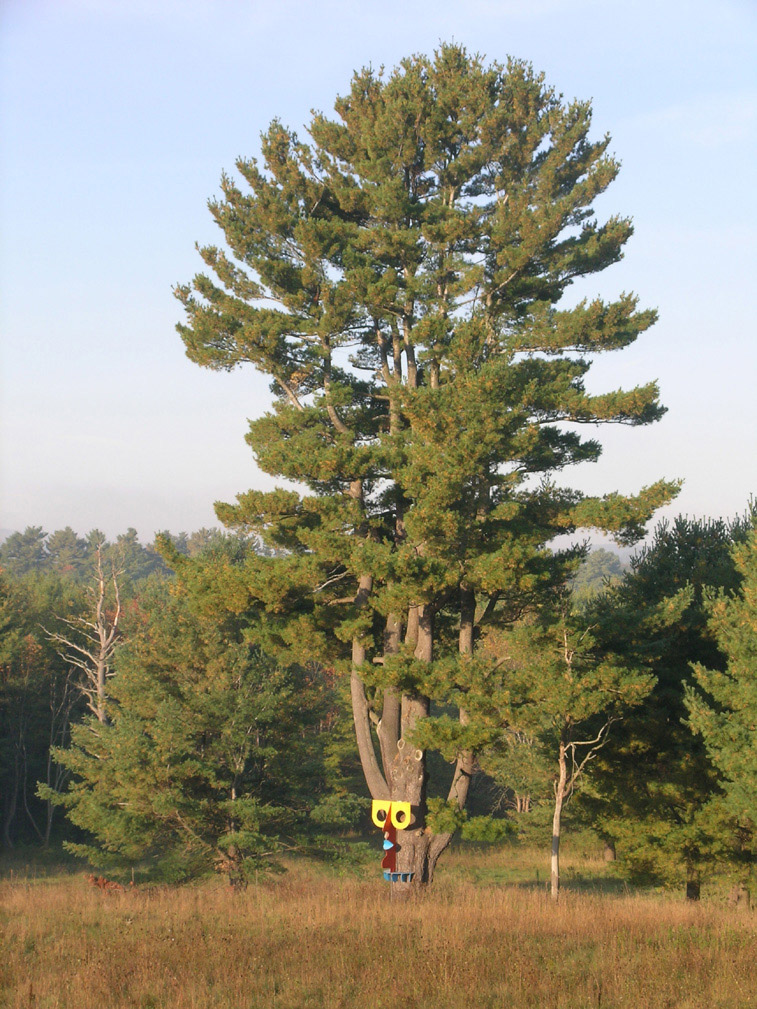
(561, 786)
(96, 638)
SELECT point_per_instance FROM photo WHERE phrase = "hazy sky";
(118, 117)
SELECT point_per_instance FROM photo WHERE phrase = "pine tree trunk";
(422, 850)
(408, 775)
(389, 728)
(374, 778)
(408, 784)
(465, 763)
(693, 886)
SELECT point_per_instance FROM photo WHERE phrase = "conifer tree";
(26, 552)
(597, 573)
(205, 761)
(37, 701)
(725, 716)
(68, 554)
(655, 786)
(398, 278)
(551, 682)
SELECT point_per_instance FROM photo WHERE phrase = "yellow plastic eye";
(380, 811)
(401, 815)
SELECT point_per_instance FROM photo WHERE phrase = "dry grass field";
(313, 939)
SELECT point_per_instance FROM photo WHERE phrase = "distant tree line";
(627, 697)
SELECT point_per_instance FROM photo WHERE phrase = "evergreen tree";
(68, 554)
(133, 560)
(206, 761)
(555, 687)
(725, 716)
(654, 787)
(397, 278)
(600, 569)
(37, 702)
(23, 553)
(203, 540)
(520, 771)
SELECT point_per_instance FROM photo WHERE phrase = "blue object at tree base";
(398, 877)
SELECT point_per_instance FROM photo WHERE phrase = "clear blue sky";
(118, 117)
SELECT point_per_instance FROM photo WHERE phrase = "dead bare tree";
(92, 638)
(573, 756)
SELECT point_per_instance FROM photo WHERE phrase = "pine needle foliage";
(557, 689)
(723, 711)
(657, 788)
(398, 277)
(209, 755)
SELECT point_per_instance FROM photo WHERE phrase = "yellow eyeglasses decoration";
(397, 813)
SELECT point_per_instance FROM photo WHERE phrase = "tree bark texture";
(389, 727)
(465, 763)
(560, 789)
(374, 776)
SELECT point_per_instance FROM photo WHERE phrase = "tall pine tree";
(397, 277)
(725, 716)
(655, 785)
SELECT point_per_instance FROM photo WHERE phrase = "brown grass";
(310, 940)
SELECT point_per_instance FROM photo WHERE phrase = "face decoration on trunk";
(391, 817)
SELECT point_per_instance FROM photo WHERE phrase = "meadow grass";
(485, 935)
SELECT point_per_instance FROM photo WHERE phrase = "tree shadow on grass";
(601, 886)
(33, 862)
